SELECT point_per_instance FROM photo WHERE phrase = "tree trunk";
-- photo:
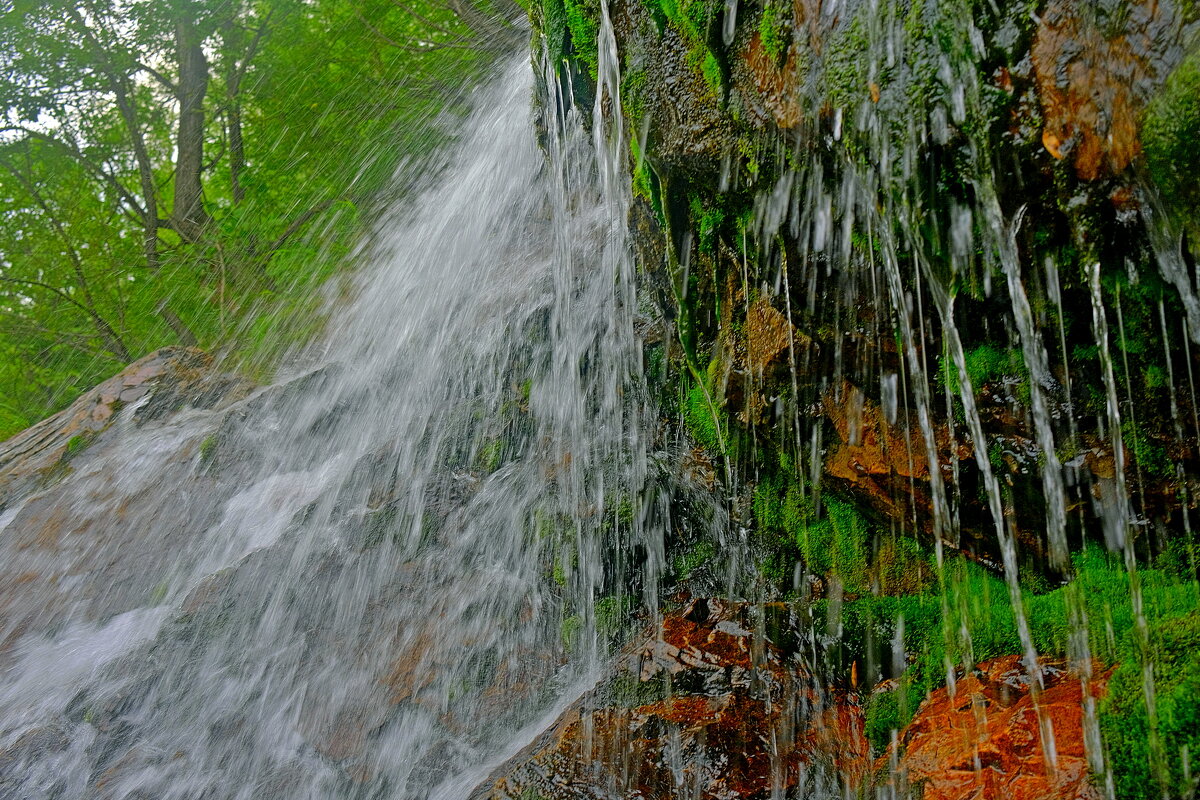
(188, 212)
(233, 115)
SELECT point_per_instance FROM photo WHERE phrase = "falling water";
(366, 579)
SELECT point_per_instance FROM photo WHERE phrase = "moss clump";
(626, 690)
(1170, 129)
(703, 410)
(583, 23)
(1149, 456)
(554, 28)
(634, 95)
(710, 68)
(892, 710)
(694, 20)
(985, 364)
(491, 455)
(707, 220)
(835, 542)
(77, 444)
(698, 414)
(775, 29)
(1155, 757)
(570, 28)
(691, 562)
(208, 449)
(839, 545)
(903, 567)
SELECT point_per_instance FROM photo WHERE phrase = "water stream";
(367, 579)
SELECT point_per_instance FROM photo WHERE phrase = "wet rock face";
(1096, 66)
(158, 554)
(703, 707)
(172, 377)
(706, 708)
(788, 154)
(681, 119)
(986, 740)
(67, 512)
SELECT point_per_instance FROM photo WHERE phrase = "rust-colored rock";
(702, 708)
(1094, 78)
(985, 740)
(768, 333)
(884, 463)
(777, 85)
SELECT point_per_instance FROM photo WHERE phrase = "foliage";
(583, 22)
(129, 225)
(985, 364)
(1170, 129)
(1129, 730)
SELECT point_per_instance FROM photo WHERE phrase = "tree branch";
(457, 43)
(86, 163)
(158, 76)
(298, 223)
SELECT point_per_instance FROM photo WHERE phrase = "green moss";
(981, 625)
(690, 17)
(657, 15)
(613, 613)
(644, 182)
(491, 455)
(208, 449)
(380, 526)
(1150, 456)
(710, 68)
(568, 631)
(1151, 755)
(698, 557)
(1170, 130)
(707, 220)
(1155, 377)
(836, 543)
(1180, 559)
(891, 710)
(775, 29)
(845, 75)
(554, 28)
(903, 567)
(703, 412)
(77, 444)
(159, 593)
(626, 690)
(845, 541)
(985, 364)
(634, 96)
(881, 718)
(582, 18)
(699, 419)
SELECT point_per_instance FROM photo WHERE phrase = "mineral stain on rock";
(705, 708)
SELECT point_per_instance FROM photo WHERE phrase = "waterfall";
(366, 579)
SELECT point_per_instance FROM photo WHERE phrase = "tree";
(188, 170)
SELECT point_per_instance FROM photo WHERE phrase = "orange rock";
(1094, 81)
(768, 333)
(986, 739)
(776, 85)
(739, 720)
